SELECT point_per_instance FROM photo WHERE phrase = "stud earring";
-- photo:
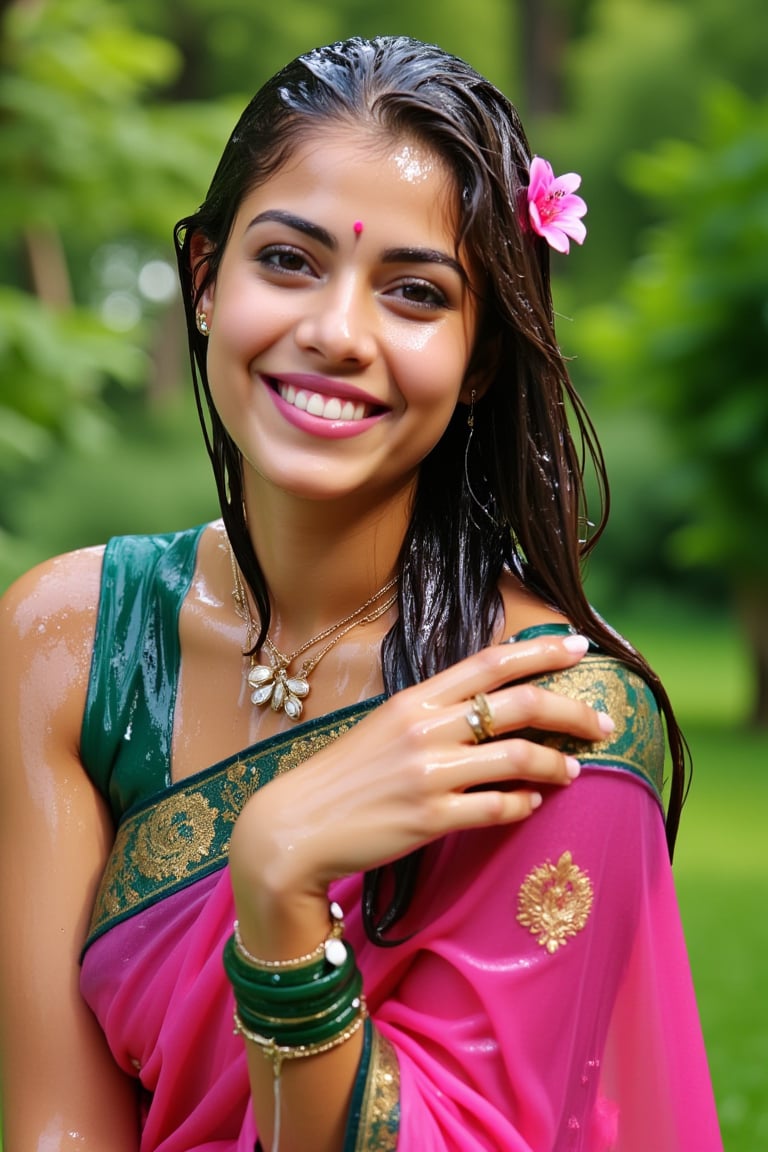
(202, 324)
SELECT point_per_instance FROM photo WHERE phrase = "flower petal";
(554, 211)
(541, 178)
(567, 183)
(556, 238)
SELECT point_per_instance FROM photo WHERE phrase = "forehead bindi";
(363, 190)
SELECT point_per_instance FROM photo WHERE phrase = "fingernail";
(572, 767)
(576, 644)
(606, 724)
(536, 799)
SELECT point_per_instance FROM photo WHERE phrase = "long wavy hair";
(533, 440)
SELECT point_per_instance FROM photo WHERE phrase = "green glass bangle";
(307, 1016)
(238, 968)
(304, 1035)
(298, 1006)
(253, 982)
(278, 1053)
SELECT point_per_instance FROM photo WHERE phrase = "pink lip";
(317, 425)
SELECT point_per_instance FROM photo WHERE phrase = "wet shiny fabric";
(543, 1002)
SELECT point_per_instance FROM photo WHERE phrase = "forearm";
(302, 1085)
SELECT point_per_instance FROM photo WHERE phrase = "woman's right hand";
(409, 773)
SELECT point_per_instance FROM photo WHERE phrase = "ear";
(481, 370)
(199, 250)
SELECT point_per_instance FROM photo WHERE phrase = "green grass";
(721, 863)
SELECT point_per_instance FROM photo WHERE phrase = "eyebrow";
(422, 256)
(314, 231)
(324, 237)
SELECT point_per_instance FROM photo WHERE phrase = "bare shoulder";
(523, 609)
(62, 592)
(47, 626)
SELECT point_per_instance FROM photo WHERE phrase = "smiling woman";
(375, 685)
(319, 334)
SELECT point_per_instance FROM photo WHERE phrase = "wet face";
(342, 319)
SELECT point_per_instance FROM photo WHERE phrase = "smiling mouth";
(326, 407)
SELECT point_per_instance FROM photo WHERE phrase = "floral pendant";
(273, 685)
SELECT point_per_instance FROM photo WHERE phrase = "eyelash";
(269, 258)
(439, 299)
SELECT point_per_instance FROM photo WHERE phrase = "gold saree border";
(637, 745)
(173, 839)
(380, 1112)
(181, 835)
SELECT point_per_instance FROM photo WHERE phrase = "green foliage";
(83, 147)
(237, 46)
(688, 336)
(720, 862)
(638, 73)
(94, 164)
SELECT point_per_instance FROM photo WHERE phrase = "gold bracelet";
(277, 1053)
(332, 947)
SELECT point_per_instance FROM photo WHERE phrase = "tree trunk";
(48, 268)
(752, 600)
(543, 37)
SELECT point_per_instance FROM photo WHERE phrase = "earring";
(488, 507)
(202, 324)
(471, 418)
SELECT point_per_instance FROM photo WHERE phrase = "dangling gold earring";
(202, 324)
(484, 508)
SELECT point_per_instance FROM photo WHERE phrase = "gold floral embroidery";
(164, 845)
(301, 750)
(380, 1114)
(243, 778)
(638, 741)
(554, 902)
(176, 834)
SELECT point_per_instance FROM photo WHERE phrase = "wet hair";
(519, 498)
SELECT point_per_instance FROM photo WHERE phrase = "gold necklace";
(273, 683)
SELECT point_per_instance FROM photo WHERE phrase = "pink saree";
(543, 1002)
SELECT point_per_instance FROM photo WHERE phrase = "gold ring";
(482, 709)
(476, 726)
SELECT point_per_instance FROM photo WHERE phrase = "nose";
(339, 323)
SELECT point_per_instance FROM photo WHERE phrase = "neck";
(322, 560)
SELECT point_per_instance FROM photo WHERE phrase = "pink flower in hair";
(555, 213)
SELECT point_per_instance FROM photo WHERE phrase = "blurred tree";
(635, 71)
(87, 159)
(236, 46)
(689, 338)
(113, 119)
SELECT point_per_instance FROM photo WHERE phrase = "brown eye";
(421, 293)
(284, 259)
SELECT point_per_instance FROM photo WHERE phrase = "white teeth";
(330, 408)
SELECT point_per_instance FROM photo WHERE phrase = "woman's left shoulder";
(637, 744)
